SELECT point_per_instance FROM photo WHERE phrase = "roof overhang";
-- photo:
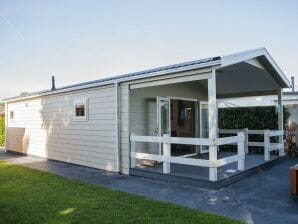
(249, 73)
(264, 57)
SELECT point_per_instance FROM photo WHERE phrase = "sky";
(85, 40)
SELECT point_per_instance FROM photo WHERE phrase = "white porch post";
(212, 118)
(280, 120)
(266, 145)
(241, 152)
(166, 153)
(245, 131)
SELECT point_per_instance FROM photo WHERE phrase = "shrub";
(2, 131)
(254, 118)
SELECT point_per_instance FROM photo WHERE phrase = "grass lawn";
(31, 196)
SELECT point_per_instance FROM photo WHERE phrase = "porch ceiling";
(250, 73)
(245, 79)
(248, 78)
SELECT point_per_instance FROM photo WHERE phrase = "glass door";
(204, 125)
(163, 117)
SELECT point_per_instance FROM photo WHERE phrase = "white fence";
(166, 158)
(267, 144)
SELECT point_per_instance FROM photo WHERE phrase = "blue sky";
(85, 40)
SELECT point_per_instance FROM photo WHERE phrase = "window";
(11, 115)
(80, 109)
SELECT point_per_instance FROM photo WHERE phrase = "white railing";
(166, 158)
(267, 144)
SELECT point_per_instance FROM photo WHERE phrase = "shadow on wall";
(55, 115)
(89, 142)
(47, 128)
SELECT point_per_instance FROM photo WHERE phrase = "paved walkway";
(262, 198)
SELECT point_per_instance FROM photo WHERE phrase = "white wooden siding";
(45, 127)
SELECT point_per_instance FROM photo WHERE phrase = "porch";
(198, 176)
(173, 123)
(196, 168)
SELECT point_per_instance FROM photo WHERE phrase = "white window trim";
(83, 101)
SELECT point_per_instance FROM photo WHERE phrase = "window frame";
(80, 101)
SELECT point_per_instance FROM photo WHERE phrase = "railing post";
(241, 151)
(266, 145)
(213, 159)
(246, 140)
(166, 153)
(133, 150)
(281, 151)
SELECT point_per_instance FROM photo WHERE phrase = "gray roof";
(128, 75)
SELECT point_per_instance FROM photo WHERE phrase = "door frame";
(196, 115)
(196, 108)
(201, 131)
(158, 99)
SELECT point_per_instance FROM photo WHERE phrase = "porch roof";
(249, 73)
(257, 63)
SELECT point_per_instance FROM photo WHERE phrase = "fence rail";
(166, 158)
(240, 140)
(172, 140)
(268, 146)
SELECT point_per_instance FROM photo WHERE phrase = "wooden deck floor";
(202, 173)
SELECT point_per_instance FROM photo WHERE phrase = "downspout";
(117, 127)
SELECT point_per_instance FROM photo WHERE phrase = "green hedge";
(2, 131)
(254, 118)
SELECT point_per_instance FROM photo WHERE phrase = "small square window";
(80, 110)
(11, 115)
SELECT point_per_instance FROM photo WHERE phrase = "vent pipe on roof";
(53, 83)
(293, 83)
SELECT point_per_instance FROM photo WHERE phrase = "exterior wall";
(45, 127)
